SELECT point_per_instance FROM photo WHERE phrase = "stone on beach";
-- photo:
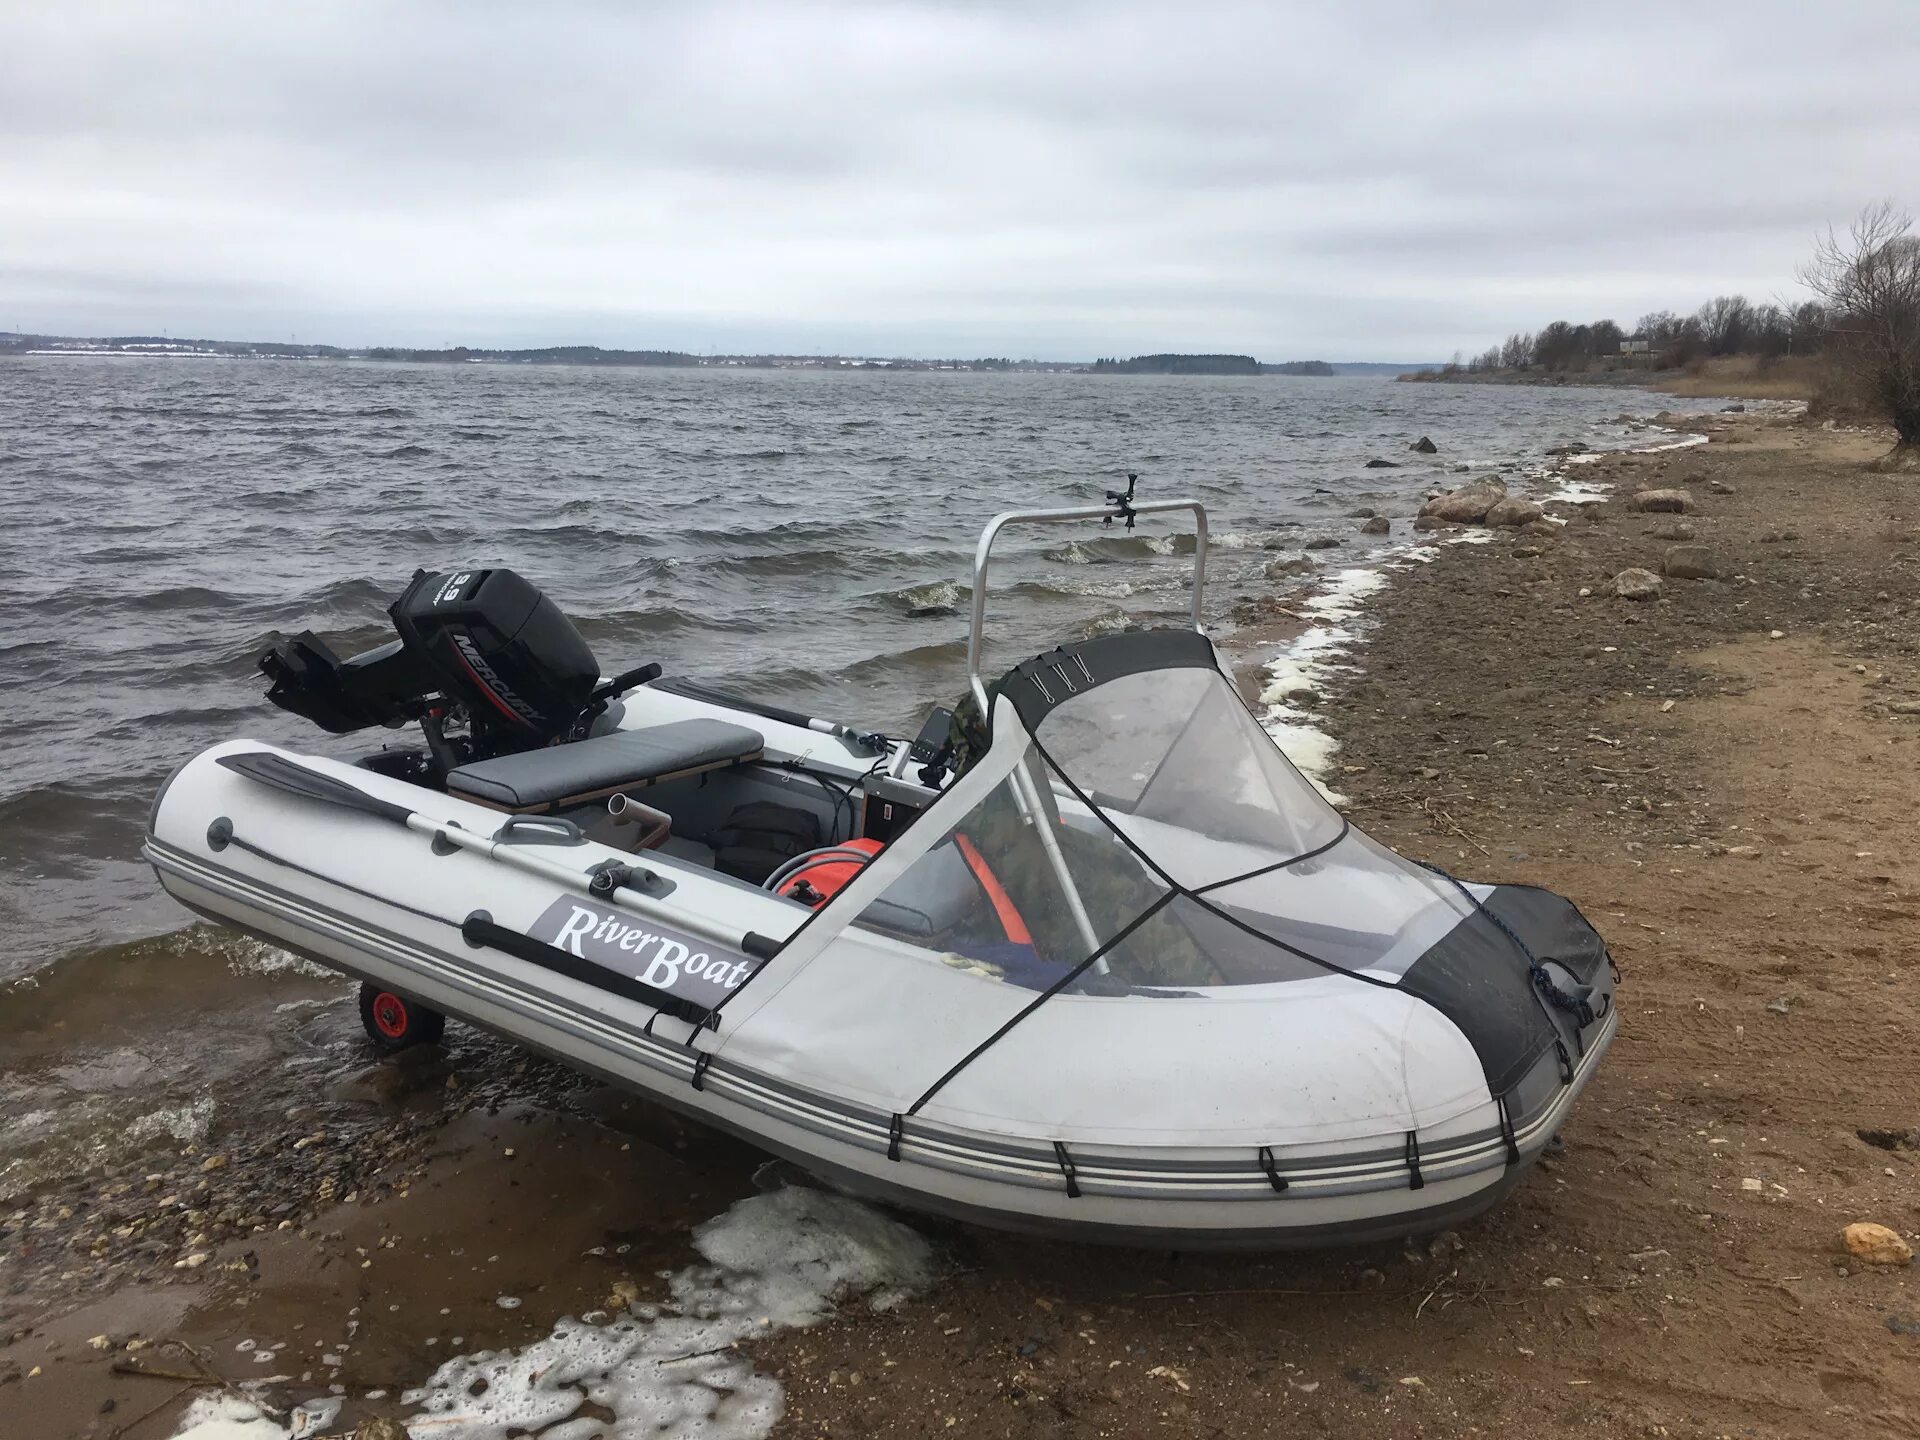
(1321, 542)
(1377, 525)
(1425, 446)
(1291, 565)
(1636, 584)
(1689, 562)
(1514, 511)
(1382, 465)
(1676, 502)
(1467, 505)
(1876, 1244)
(1672, 530)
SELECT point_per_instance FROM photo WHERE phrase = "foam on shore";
(1321, 651)
(773, 1262)
(1308, 662)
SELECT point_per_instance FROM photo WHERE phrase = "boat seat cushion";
(587, 769)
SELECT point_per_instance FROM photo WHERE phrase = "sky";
(1365, 181)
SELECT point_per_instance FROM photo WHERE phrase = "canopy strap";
(1065, 1162)
(1415, 1181)
(1274, 1177)
(1506, 1129)
(896, 1127)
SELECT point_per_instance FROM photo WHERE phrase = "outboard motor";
(483, 646)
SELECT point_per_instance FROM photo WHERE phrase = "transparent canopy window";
(1157, 828)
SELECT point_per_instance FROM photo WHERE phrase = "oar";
(279, 773)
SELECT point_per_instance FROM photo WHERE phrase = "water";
(802, 534)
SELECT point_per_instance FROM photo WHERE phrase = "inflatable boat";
(1087, 956)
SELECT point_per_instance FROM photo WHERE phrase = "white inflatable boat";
(1093, 958)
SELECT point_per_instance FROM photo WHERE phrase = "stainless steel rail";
(976, 638)
(1025, 792)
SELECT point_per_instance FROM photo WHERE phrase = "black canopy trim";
(1036, 686)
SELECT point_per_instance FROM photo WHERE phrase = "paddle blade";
(284, 774)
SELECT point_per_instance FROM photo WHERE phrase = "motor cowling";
(499, 645)
(485, 640)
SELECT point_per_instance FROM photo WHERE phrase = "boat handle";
(540, 830)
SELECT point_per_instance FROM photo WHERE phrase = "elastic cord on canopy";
(1575, 1005)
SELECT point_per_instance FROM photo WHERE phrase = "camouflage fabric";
(968, 735)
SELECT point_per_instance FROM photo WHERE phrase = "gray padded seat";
(589, 769)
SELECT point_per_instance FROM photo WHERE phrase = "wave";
(1074, 588)
(626, 625)
(935, 597)
(787, 532)
(406, 452)
(791, 563)
(82, 603)
(1105, 549)
(946, 656)
(356, 592)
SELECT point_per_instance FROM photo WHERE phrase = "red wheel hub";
(390, 1015)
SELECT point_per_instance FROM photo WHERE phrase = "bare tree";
(1869, 279)
(1727, 321)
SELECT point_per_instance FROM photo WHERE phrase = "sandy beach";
(1721, 776)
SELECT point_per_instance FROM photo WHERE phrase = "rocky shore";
(1714, 758)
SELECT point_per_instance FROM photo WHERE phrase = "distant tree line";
(1725, 325)
(1178, 365)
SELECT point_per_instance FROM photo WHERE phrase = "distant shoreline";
(20, 344)
(1735, 377)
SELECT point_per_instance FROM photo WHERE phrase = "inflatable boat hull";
(323, 902)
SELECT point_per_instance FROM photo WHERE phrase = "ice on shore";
(222, 1416)
(773, 1262)
(1307, 663)
(1581, 492)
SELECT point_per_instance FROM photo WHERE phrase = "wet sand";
(1736, 813)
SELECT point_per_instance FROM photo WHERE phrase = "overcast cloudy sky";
(1363, 181)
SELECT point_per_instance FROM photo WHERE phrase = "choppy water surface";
(803, 534)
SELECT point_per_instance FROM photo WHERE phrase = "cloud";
(1376, 181)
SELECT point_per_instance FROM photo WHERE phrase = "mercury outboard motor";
(480, 646)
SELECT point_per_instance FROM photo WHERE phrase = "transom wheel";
(394, 1022)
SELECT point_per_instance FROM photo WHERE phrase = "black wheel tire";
(394, 1022)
